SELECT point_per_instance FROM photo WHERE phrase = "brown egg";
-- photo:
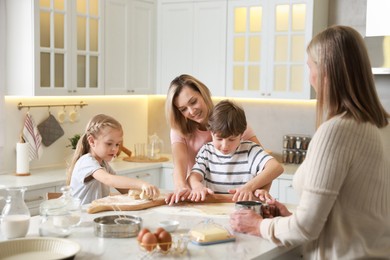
(141, 233)
(149, 241)
(164, 240)
(158, 231)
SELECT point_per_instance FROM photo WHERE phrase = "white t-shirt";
(89, 191)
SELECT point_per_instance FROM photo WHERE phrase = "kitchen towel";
(50, 130)
(32, 136)
(22, 159)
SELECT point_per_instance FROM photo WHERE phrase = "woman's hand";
(242, 194)
(199, 193)
(275, 209)
(246, 221)
(180, 194)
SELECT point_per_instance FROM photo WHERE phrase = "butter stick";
(210, 234)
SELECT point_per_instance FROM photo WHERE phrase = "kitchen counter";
(245, 246)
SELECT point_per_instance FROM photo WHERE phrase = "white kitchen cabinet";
(287, 194)
(54, 47)
(130, 36)
(274, 191)
(266, 43)
(151, 176)
(166, 179)
(192, 40)
(34, 198)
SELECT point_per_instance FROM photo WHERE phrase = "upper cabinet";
(238, 48)
(130, 37)
(83, 47)
(266, 41)
(192, 40)
(61, 42)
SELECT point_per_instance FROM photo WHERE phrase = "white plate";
(38, 248)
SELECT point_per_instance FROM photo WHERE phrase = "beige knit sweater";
(344, 186)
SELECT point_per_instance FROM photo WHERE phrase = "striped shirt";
(224, 172)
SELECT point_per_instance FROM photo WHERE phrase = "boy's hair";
(94, 127)
(227, 119)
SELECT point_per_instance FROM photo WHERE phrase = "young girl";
(89, 175)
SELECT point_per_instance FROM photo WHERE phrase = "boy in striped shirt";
(230, 165)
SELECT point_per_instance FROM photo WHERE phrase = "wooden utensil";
(100, 204)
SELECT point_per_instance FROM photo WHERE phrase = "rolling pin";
(125, 150)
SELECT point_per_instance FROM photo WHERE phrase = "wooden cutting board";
(125, 203)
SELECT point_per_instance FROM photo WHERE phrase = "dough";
(134, 194)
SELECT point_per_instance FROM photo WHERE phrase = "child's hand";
(199, 193)
(263, 195)
(242, 194)
(150, 191)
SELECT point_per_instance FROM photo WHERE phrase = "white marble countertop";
(93, 247)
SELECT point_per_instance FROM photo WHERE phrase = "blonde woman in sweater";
(344, 183)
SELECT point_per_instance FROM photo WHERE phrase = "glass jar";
(59, 216)
(15, 217)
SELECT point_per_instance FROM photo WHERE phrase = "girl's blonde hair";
(94, 128)
(345, 81)
(174, 117)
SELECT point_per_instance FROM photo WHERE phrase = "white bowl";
(169, 225)
(38, 248)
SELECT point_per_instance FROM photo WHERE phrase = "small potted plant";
(73, 141)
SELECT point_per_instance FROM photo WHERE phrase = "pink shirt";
(195, 141)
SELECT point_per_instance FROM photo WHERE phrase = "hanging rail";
(81, 104)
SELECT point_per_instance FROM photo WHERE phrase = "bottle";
(285, 141)
(15, 217)
(298, 142)
(154, 147)
(59, 216)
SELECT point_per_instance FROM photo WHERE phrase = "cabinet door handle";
(145, 175)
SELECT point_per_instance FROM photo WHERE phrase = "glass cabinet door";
(246, 49)
(70, 49)
(88, 49)
(288, 48)
(53, 45)
(267, 47)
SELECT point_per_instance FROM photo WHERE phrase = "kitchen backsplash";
(142, 116)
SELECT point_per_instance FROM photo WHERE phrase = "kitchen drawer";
(287, 194)
(274, 191)
(166, 179)
(34, 198)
